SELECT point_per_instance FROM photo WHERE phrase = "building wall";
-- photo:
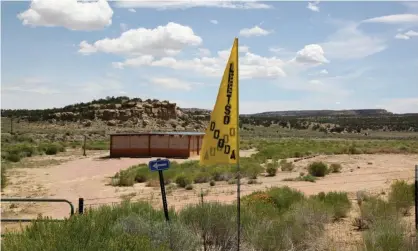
(154, 145)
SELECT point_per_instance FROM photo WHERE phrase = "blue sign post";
(160, 165)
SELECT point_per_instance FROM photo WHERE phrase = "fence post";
(416, 197)
(203, 227)
(84, 145)
(80, 205)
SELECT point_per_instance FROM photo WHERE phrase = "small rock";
(369, 163)
(351, 170)
(358, 167)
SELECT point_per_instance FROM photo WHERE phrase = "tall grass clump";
(129, 226)
(401, 195)
(337, 202)
(318, 169)
(286, 166)
(335, 168)
(3, 177)
(271, 169)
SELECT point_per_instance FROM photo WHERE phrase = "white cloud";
(323, 72)
(351, 43)
(163, 40)
(313, 6)
(251, 65)
(214, 21)
(173, 83)
(182, 4)
(394, 19)
(132, 10)
(311, 54)
(254, 31)
(203, 52)
(407, 35)
(70, 14)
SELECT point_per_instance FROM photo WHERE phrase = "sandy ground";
(89, 178)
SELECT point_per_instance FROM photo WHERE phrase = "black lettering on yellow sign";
(233, 155)
(212, 126)
(232, 131)
(227, 149)
(221, 143)
(226, 139)
(216, 134)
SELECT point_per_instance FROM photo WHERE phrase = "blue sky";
(293, 55)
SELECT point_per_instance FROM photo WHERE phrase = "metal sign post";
(160, 165)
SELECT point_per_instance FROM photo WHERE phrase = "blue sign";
(159, 164)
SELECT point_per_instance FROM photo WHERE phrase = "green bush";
(335, 168)
(318, 169)
(126, 179)
(308, 178)
(141, 174)
(401, 195)
(13, 157)
(271, 170)
(183, 181)
(284, 197)
(338, 202)
(52, 149)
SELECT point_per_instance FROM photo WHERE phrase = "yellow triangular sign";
(221, 140)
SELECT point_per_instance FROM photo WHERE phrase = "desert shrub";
(120, 227)
(202, 177)
(401, 195)
(318, 169)
(215, 221)
(335, 168)
(286, 166)
(52, 149)
(284, 197)
(126, 179)
(252, 181)
(141, 174)
(212, 183)
(183, 181)
(338, 202)
(299, 228)
(189, 187)
(271, 170)
(13, 157)
(388, 234)
(374, 209)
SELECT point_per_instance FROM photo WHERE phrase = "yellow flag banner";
(221, 140)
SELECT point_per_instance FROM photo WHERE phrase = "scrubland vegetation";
(275, 219)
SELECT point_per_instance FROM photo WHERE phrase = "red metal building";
(158, 144)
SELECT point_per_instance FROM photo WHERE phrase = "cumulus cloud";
(311, 54)
(254, 31)
(163, 40)
(313, 6)
(71, 14)
(251, 65)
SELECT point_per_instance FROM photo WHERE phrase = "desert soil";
(89, 178)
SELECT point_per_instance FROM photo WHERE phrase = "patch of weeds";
(338, 202)
(189, 187)
(183, 181)
(212, 183)
(401, 195)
